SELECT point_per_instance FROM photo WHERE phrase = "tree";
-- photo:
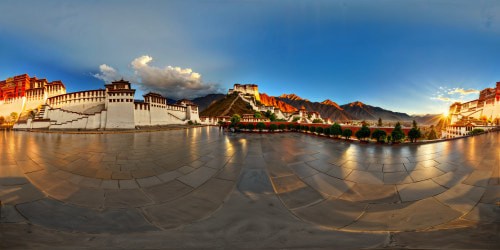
(326, 131)
(2, 120)
(363, 133)
(296, 119)
(241, 126)
(13, 117)
(336, 130)
(290, 126)
(346, 133)
(432, 134)
(319, 130)
(397, 133)
(282, 126)
(273, 127)
(414, 132)
(250, 126)
(261, 126)
(379, 122)
(257, 114)
(379, 135)
(235, 119)
(476, 131)
(312, 129)
(317, 121)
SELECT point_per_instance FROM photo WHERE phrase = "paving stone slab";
(287, 183)
(197, 177)
(230, 172)
(355, 165)
(167, 191)
(425, 173)
(486, 213)
(491, 195)
(371, 193)
(12, 195)
(128, 184)
(148, 181)
(450, 179)
(214, 190)
(320, 165)
(42, 180)
(87, 197)
(408, 216)
(303, 170)
(55, 215)
(62, 190)
(327, 185)
(90, 182)
(255, 181)
(339, 172)
(397, 178)
(125, 198)
(331, 213)
(398, 167)
(419, 190)
(180, 212)
(169, 176)
(9, 214)
(186, 169)
(461, 197)
(366, 177)
(110, 184)
(478, 178)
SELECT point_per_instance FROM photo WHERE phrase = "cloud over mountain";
(172, 82)
(107, 73)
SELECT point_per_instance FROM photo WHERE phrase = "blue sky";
(407, 56)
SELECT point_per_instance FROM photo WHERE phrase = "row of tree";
(11, 119)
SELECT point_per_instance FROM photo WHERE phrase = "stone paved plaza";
(201, 188)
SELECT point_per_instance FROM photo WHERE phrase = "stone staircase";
(176, 117)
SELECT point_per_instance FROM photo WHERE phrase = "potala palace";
(44, 105)
(250, 94)
(482, 113)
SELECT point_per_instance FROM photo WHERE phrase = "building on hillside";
(113, 107)
(22, 94)
(252, 118)
(246, 89)
(250, 94)
(482, 113)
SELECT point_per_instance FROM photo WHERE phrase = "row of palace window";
(121, 100)
(120, 94)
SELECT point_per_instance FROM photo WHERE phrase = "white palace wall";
(99, 109)
(12, 105)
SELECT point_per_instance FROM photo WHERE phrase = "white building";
(111, 108)
(482, 113)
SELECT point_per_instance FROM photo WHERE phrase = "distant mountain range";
(327, 108)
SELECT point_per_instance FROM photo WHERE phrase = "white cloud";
(463, 91)
(444, 99)
(172, 82)
(107, 74)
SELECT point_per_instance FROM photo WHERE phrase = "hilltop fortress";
(22, 94)
(48, 106)
(482, 113)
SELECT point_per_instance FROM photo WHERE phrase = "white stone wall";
(12, 105)
(120, 115)
(142, 115)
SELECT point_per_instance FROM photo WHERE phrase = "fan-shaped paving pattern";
(142, 182)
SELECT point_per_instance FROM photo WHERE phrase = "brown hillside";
(230, 105)
(271, 101)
